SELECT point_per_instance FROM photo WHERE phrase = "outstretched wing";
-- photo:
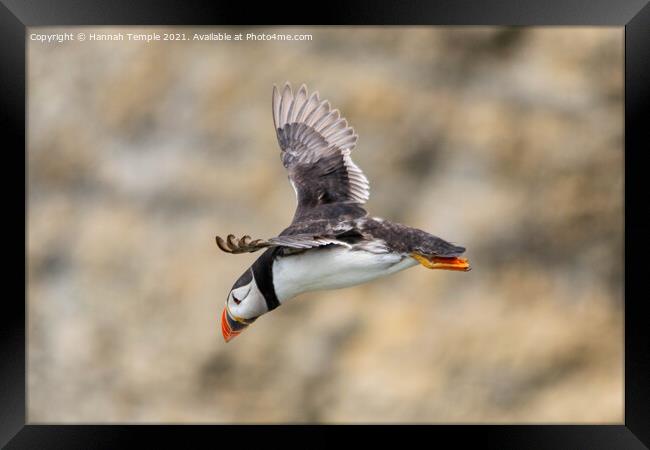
(316, 143)
(246, 244)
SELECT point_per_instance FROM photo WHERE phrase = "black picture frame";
(634, 15)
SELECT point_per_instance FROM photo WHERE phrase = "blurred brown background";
(507, 141)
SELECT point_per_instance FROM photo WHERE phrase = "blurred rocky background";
(507, 141)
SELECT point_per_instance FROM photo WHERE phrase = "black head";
(251, 296)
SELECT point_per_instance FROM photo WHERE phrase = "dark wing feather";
(316, 143)
(295, 241)
(305, 241)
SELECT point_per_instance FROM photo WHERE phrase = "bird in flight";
(332, 242)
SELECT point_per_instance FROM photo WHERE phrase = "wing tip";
(287, 88)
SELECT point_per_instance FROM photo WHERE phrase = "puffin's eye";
(239, 300)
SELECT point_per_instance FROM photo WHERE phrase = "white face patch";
(246, 302)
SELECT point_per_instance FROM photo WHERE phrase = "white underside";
(332, 268)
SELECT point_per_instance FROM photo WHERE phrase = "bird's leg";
(439, 262)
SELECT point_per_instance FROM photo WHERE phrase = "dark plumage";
(330, 189)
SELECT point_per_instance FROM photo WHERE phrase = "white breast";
(332, 268)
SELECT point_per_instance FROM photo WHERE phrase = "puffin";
(332, 241)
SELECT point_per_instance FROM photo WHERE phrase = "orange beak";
(437, 262)
(230, 326)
